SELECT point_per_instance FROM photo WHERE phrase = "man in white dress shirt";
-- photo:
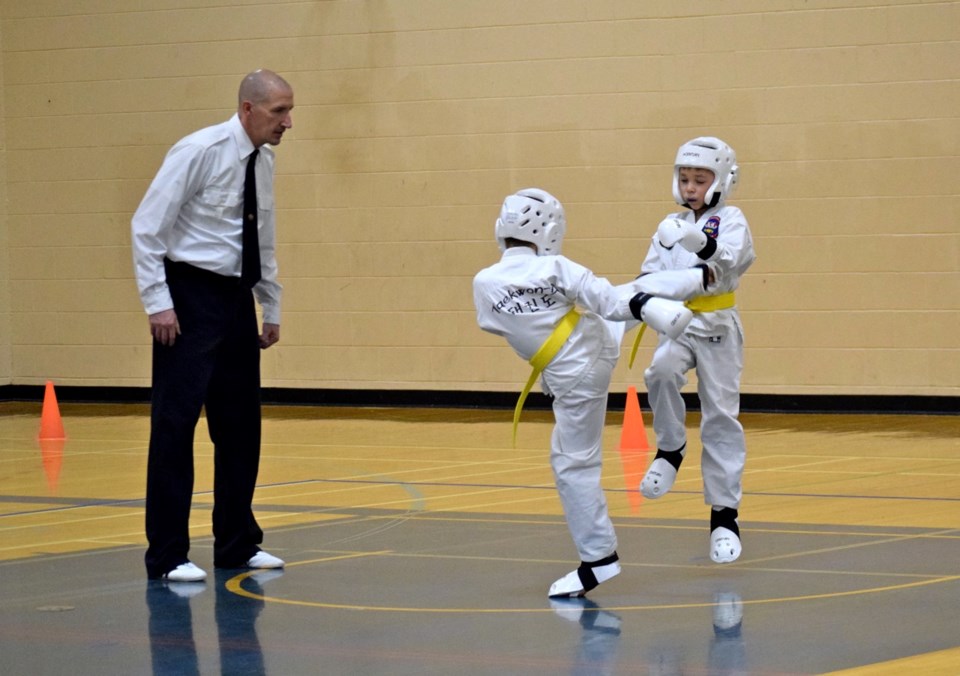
(188, 255)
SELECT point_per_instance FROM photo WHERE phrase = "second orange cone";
(633, 437)
(51, 425)
(633, 448)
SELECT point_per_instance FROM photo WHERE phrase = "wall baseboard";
(759, 403)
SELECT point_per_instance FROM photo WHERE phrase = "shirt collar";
(244, 144)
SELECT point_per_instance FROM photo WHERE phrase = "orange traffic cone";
(633, 448)
(633, 437)
(51, 426)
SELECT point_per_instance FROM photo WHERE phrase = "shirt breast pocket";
(264, 204)
(221, 204)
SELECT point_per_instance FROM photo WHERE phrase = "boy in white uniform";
(715, 233)
(529, 297)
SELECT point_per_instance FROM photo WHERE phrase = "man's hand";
(164, 327)
(270, 335)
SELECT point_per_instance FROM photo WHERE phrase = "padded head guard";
(532, 215)
(707, 152)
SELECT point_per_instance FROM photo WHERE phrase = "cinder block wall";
(6, 365)
(414, 118)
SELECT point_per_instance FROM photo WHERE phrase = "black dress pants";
(213, 364)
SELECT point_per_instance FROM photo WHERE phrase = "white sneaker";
(658, 480)
(263, 560)
(725, 545)
(186, 572)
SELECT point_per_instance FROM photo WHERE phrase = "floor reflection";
(173, 649)
(727, 655)
(726, 652)
(599, 643)
(240, 651)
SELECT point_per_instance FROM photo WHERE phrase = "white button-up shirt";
(192, 213)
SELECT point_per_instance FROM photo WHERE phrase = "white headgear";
(532, 215)
(707, 152)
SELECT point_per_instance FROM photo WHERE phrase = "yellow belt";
(543, 357)
(724, 301)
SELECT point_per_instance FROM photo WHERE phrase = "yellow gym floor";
(420, 542)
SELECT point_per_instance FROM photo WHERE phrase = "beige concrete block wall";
(414, 118)
(5, 318)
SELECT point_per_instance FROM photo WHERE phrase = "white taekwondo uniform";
(522, 298)
(712, 343)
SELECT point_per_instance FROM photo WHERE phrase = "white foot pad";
(724, 545)
(568, 585)
(571, 586)
(658, 480)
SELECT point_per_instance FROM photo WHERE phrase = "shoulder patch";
(712, 227)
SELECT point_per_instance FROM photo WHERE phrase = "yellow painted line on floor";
(882, 540)
(940, 663)
(84, 534)
(235, 585)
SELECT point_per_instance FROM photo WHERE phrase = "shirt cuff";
(271, 314)
(157, 300)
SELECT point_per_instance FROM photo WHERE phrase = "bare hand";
(164, 327)
(270, 335)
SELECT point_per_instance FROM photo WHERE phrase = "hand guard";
(663, 316)
(673, 230)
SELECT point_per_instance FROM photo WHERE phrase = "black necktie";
(250, 268)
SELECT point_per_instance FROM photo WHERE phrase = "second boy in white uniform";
(714, 233)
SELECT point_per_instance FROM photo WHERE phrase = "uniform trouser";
(214, 363)
(719, 363)
(576, 457)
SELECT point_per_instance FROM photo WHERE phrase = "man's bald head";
(259, 85)
(266, 100)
